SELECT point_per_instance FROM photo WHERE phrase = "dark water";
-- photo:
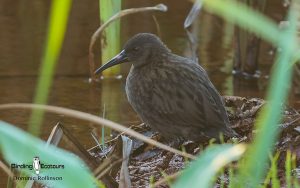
(22, 38)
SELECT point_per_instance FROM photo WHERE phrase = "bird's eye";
(136, 49)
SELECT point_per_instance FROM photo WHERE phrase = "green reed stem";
(110, 40)
(56, 31)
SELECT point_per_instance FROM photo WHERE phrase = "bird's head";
(141, 49)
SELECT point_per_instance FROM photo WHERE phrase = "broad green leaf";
(200, 173)
(19, 147)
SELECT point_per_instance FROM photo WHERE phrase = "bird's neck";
(153, 60)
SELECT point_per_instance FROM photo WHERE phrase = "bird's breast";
(139, 86)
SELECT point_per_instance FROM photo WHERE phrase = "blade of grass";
(274, 177)
(164, 180)
(294, 166)
(252, 171)
(267, 179)
(167, 178)
(230, 176)
(201, 171)
(20, 147)
(222, 177)
(288, 169)
(103, 128)
(57, 27)
(151, 182)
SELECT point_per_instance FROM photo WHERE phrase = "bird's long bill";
(118, 59)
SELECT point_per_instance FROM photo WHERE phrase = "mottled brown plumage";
(170, 93)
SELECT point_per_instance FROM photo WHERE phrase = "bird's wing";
(177, 98)
(184, 94)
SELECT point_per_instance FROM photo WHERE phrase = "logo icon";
(36, 165)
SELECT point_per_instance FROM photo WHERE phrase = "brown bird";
(170, 93)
